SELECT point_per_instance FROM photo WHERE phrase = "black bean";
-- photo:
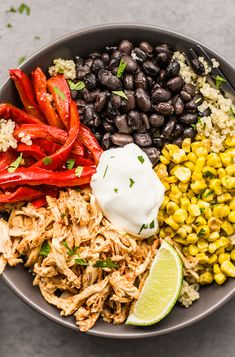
(85, 94)
(79, 61)
(90, 116)
(146, 47)
(150, 68)
(191, 105)
(185, 96)
(162, 76)
(162, 59)
(173, 69)
(88, 62)
(129, 104)
(150, 82)
(106, 141)
(190, 89)
(168, 129)
(189, 132)
(157, 142)
(138, 54)
(108, 127)
(131, 65)
(110, 49)
(175, 84)
(179, 106)
(82, 71)
(143, 99)
(90, 81)
(188, 118)
(156, 120)
(153, 154)
(178, 142)
(121, 124)
(125, 46)
(98, 136)
(128, 81)
(161, 95)
(94, 54)
(105, 57)
(178, 130)
(198, 67)
(115, 59)
(163, 48)
(134, 120)
(164, 108)
(121, 139)
(141, 80)
(145, 121)
(107, 79)
(94, 94)
(205, 113)
(100, 101)
(74, 94)
(116, 101)
(111, 113)
(143, 139)
(81, 105)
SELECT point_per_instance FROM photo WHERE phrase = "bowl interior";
(81, 43)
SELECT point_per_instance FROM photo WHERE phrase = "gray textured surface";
(22, 331)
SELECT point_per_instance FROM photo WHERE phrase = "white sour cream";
(128, 190)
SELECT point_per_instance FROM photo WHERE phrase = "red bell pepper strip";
(40, 89)
(9, 111)
(31, 150)
(25, 89)
(89, 141)
(34, 176)
(81, 161)
(60, 92)
(6, 158)
(42, 201)
(21, 194)
(58, 159)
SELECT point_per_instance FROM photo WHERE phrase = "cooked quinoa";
(221, 122)
(65, 67)
(7, 139)
(189, 293)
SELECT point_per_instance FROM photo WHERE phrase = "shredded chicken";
(78, 237)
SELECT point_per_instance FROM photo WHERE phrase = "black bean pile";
(148, 104)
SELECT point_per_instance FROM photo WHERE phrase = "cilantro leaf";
(201, 233)
(47, 160)
(76, 86)
(24, 8)
(105, 171)
(70, 251)
(59, 93)
(202, 210)
(78, 171)
(218, 81)
(152, 224)
(9, 25)
(15, 164)
(132, 182)
(45, 249)
(116, 190)
(12, 9)
(193, 126)
(141, 159)
(120, 93)
(232, 111)
(121, 68)
(144, 226)
(70, 164)
(21, 60)
(81, 261)
(37, 38)
(208, 174)
(107, 263)
(208, 193)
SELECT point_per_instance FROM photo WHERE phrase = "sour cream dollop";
(128, 190)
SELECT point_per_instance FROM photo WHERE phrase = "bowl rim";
(139, 333)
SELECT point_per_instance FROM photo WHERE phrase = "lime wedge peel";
(161, 288)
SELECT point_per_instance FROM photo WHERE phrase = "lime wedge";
(161, 289)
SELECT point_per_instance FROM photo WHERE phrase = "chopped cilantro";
(24, 8)
(120, 93)
(70, 252)
(200, 194)
(202, 210)
(152, 224)
(21, 60)
(76, 86)
(15, 164)
(193, 126)
(208, 174)
(45, 249)
(144, 226)
(116, 190)
(141, 159)
(105, 171)
(78, 171)
(208, 193)
(59, 93)
(37, 38)
(9, 25)
(201, 233)
(218, 81)
(81, 261)
(47, 160)
(70, 164)
(132, 182)
(121, 68)
(107, 263)
(232, 111)
(12, 9)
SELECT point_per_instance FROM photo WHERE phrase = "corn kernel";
(214, 160)
(181, 232)
(193, 250)
(202, 258)
(200, 163)
(183, 174)
(231, 217)
(186, 144)
(185, 251)
(228, 182)
(198, 186)
(166, 151)
(208, 195)
(223, 257)
(200, 221)
(224, 197)
(205, 278)
(171, 179)
(230, 170)
(171, 207)
(213, 236)
(225, 158)
(192, 157)
(232, 203)
(206, 143)
(212, 259)
(228, 268)
(192, 238)
(164, 160)
(232, 254)
(214, 224)
(187, 228)
(224, 242)
(189, 165)
(161, 171)
(208, 213)
(209, 172)
(180, 240)
(190, 219)
(202, 245)
(216, 269)
(221, 211)
(170, 221)
(195, 145)
(194, 210)
(227, 227)
(201, 151)
(179, 156)
(221, 172)
(162, 234)
(183, 186)
(180, 215)
(220, 251)
(203, 231)
(164, 202)
(215, 185)
(219, 278)
(190, 194)
(230, 141)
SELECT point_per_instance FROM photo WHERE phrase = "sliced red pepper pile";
(54, 149)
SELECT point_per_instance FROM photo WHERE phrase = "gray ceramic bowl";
(81, 43)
